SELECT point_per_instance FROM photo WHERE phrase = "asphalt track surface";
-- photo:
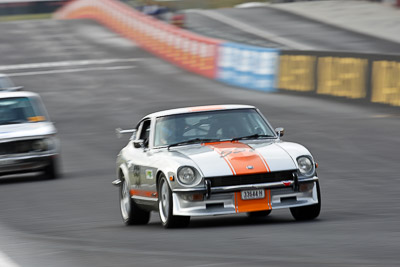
(75, 220)
(302, 31)
(204, 25)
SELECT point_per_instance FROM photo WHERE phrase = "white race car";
(213, 160)
(28, 141)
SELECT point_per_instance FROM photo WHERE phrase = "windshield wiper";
(253, 136)
(193, 141)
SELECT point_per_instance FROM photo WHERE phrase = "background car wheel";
(308, 212)
(259, 214)
(131, 213)
(52, 170)
(165, 207)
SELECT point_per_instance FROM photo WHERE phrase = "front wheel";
(308, 212)
(52, 169)
(131, 213)
(165, 207)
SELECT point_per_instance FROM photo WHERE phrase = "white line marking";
(69, 70)
(5, 261)
(250, 29)
(68, 63)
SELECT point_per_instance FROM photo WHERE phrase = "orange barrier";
(190, 51)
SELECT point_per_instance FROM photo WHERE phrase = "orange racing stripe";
(143, 193)
(205, 108)
(241, 158)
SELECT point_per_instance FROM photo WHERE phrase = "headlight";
(187, 175)
(51, 143)
(306, 166)
(39, 145)
(43, 144)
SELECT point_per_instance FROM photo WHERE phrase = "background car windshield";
(19, 110)
(222, 125)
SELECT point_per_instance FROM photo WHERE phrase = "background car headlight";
(306, 166)
(51, 143)
(187, 175)
(39, 145)
(43, 144)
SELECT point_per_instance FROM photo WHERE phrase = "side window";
(145, 132)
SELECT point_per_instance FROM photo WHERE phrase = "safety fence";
(190, 51)
(374, 78)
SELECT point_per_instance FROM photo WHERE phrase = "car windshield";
(20, 110)
(211, 125)
(5, 83)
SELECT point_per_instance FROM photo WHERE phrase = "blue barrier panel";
(248, 66)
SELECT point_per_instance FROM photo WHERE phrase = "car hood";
(23, 130)
(238, 158)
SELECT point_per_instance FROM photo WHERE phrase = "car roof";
(11, 94)
(196, 109)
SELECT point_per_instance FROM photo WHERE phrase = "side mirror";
(119, 132)
(18, 88)
(138, 143)
(280, 131)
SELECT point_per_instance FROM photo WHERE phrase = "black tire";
(258, 214)
(52, 169)
(308, 212)
(131, 213)
(165, 206)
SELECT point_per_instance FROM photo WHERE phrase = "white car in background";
(28, 141)
(213, 160)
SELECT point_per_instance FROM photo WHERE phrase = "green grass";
(25, 17)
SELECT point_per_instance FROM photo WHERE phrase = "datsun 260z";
(213, 160)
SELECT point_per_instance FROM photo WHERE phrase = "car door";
(145, 171)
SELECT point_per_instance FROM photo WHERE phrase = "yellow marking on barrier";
(345, 77)
(386, 82)
(297, 73)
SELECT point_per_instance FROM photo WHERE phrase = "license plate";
(253, 194)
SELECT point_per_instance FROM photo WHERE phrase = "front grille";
(259, 178)
(16, 147)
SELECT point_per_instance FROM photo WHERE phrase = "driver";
(164, 132)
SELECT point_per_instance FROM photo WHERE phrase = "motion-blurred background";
(327, 71)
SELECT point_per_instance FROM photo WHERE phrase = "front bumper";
(25, 163)
(227, 200)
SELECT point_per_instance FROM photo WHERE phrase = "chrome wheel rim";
(125, 201)
(164, 201)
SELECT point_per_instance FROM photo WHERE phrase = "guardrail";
(248, 66)
(190, 51)
(374, 78)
